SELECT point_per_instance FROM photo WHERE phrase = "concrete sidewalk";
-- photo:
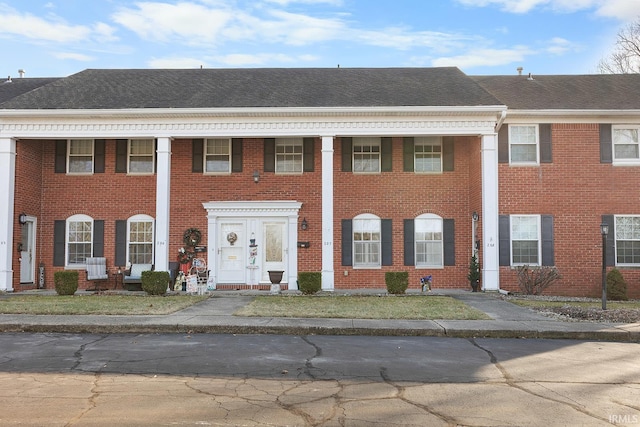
(215, 315)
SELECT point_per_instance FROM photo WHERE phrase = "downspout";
(503, 116)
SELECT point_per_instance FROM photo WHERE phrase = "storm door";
(232, 250)
(275, 248)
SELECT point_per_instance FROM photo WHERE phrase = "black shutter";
(449, 241)
(347, 242)
(98, 238)
(98, 155)
(121, 155)
(447, 154)
(546, 155)
(121, 243)
(606, 144)
(59, 232)
(409, 242)
(236, 155)
(407, 155)
(504, 240)
(386, 155)
(547, 240)
(61, 160)
(347, 154)
(503, 144)
(155, 155)
(197, 156)
(611, 240)
(308, 151)
(387, 241)
(269, 155)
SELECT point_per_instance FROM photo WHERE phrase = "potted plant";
(474, 273)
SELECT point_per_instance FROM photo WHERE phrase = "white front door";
(27, 246)
(232, 251)
(274, 255)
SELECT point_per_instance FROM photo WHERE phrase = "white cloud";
(73, 56)
(560, 46)
(483, 57)
(175, 62)
(243, 60)
(288, 2)
(624, 10)
(26, 25)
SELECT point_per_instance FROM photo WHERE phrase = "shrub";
(397, 281)
(616, 286)
(155, 282)
(533, 281)
(66, 282)
(309, 282)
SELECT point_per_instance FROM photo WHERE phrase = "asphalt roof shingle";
(12, 88)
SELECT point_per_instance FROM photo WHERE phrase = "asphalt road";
(284, 380)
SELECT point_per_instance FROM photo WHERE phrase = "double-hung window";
(523, 144)
(217, 154)
(366, 241)
(428, 154)
(289, 155)
(627, 240)
(141, 155)
(626, 144)
(79, 240)
(80, 153)
(140, 239)
(525, 240)
(366, 155)
(428, 241)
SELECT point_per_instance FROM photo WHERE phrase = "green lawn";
(95, 304)
(361, 307)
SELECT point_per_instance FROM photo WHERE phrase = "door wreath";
(192, 237)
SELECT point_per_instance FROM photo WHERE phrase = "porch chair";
(97, 272)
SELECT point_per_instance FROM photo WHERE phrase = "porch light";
(604, 230)
(22, 218)
(304, 224)
(475, 216)
(256, 176)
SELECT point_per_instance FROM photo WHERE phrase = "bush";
(155, 282)
(616, 286)
(66, 282)
(309, 282)
(533, 281)
(397, 281)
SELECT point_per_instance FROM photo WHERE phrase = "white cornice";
(573, 116)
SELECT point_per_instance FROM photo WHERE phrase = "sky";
(481, 37)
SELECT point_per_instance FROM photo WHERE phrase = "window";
(288, 155)
(80, 156)
(140, 239)
(141, 155)
(366, 155)
(525, 239)
(366, 241)
(79, 239)
(428, 154)
(217, 154)
(627, 240)
(523, 144)
(428, 241)
(626, 143)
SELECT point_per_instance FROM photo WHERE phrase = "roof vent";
(530, 77)
(21, 72)
(519, 69)
(8, 79)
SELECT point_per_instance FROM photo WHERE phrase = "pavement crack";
(308, 363)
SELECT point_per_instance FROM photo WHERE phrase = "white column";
(163, 197)
(328, 273)
(292, 251)
(490, 250)
(7, 218)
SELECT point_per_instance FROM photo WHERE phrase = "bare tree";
(625, 59)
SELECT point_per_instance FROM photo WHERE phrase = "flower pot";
(475, 284)
(275, 276)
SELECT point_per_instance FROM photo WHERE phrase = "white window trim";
(205, 154)
(539, 229)
(69, 156)
(415, 242)
(289, 141)
(353, 243)
(129, 155)
(426, 141)
(76, 218)
(624, 162)
(615, 241)
(537, 144)
(141, 218)
(367, 141)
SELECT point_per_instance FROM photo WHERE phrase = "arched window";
(366, 241)
(79, 247)
(140, 232)
(428, 241)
